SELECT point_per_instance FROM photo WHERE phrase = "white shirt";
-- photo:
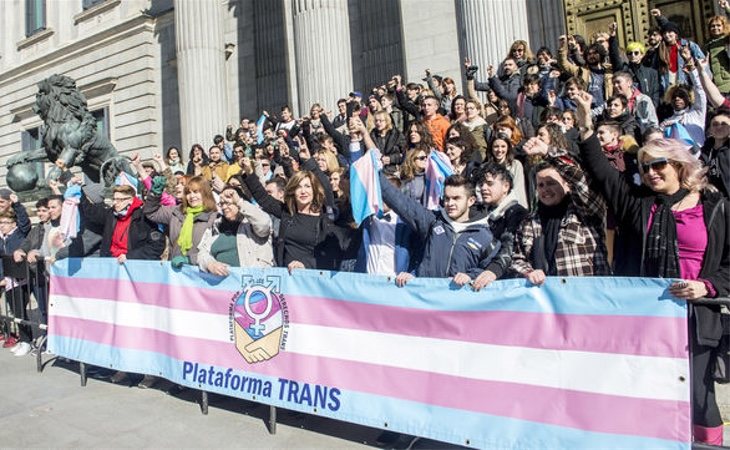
(381, 251)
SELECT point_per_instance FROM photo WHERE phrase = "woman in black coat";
(308, 236)
(389, 141)
(679, 230)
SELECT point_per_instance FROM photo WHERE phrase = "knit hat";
(671, 26)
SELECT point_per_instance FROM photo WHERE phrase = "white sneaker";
(22, 349)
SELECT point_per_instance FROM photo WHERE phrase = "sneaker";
(22, 349)
(10, 342)
(147, 382)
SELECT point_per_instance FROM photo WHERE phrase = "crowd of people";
(591, 160)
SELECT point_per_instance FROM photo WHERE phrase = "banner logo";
(258, 317)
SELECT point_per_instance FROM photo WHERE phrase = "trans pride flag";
(366, 197)
(577, 363)
(438, 168)
(260, 129)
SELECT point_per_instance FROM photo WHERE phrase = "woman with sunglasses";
(679, 230)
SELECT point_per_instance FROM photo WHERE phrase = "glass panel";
(35, 16)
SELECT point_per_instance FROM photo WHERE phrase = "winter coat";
(581, 247)
(585, 73)
(144, 241)
(173, 217)
(253, 240)
(718, 51)
(633, 207)
(718, 163)
(504, 220)
(329, 239)
(450, 248)
(393, 145)
(692, 117)
(647, 78)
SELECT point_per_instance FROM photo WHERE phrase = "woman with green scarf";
(186, 222)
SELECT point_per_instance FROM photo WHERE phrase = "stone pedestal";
(323, 56)
(201, 71)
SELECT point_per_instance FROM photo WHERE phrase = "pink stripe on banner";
(539, 330)
(156, 294)
(580, 410)
(591, 333)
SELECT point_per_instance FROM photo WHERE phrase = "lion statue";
(69, 138)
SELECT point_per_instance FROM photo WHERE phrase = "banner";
(576, 363)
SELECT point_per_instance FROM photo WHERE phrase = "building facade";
(158, 73)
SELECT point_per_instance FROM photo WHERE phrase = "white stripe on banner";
(611, 374)
(194, 324)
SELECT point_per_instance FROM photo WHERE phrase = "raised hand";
(656, 12)
(535, 146)
(613, 29)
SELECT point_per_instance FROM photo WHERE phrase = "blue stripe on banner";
(586, 295)
(482, 430)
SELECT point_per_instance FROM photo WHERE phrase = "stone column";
(489, 28)
(201, 71)
(547, 23)
(323, 56)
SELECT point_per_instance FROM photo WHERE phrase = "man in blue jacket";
(455, 245)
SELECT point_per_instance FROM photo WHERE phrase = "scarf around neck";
(550, 219)
(185, 240)
(662, 252)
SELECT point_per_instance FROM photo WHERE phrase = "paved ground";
(52, 410)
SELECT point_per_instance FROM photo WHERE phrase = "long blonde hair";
(692, 176)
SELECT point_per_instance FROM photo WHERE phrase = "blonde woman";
(678, 230)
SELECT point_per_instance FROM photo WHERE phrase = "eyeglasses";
(120, 199)
(656, 164)
(421, 158)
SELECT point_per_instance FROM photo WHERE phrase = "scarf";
(674, 58)
(185, 240)
(615, 156)
(120, 234)
(229, 227)
(662, 253)
(550, 218)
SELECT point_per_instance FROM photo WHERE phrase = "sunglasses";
(635, 53)
(656, 164)
(421, 158)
